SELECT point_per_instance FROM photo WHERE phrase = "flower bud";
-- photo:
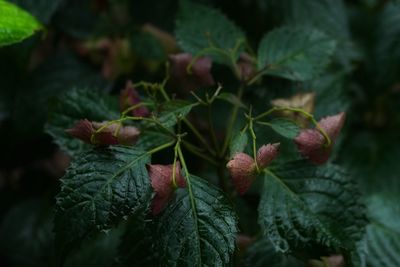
(266, 154)
(199, 74)
(243, 172)
(106, 136)
(333, 124)
(86, 131)
(130, 97)
(311, 143)
(110, 134)
(82, 130)
(162, 183)
(128, 135)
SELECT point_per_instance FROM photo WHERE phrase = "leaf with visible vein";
(383, 234)
(304, 207)
(100, 188)
(15, 24)
(198, 228)
(72, 106)
(204, 30)
(295, 53)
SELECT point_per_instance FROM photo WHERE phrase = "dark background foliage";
(363, 80)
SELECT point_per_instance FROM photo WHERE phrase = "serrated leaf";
(262, 253)
(204, 30)
(285, 127)
(174, 109)
(238, 143)
(231, 98)
(198, 228)
(383, 234)
(319, 14)
(295, 53)
(99, 189)
(73, 106)
(15, 24)
(304, 207)
(316, 14)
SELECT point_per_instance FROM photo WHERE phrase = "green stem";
(159, 148)
(126, 111)
(191, 126)
(197, 151)
(304, 113)
(175, 185)
(152, 120)
(164, 94)
(254, 137)
(231, 122)
(191, 195)
(199, 136)
(212, 129)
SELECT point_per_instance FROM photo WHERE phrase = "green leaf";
(383, 234)
(295, 53)
(285, 127)
(198, 228)
(316, 14)
(100, 188)
(305, 207)
(238, 143)
(319, 14)
(174, 109)
(231, 98)
(206, 31)
(262, 253)
(73, 106)
(15, 24)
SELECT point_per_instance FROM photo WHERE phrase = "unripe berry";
(128, 135)
(199, 74)
(130, 97)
